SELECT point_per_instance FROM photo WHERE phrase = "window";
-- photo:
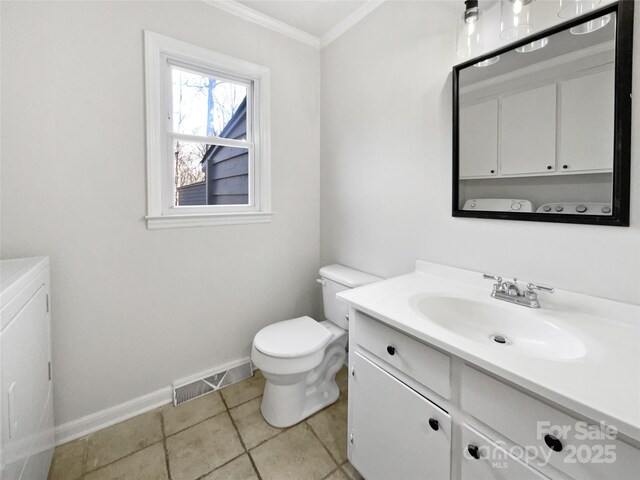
(207, 137)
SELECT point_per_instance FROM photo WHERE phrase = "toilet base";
(280, 408)
(290, 399)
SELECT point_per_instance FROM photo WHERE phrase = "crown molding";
(349, 21)
(251, 15)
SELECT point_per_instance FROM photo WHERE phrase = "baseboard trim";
(110, 416)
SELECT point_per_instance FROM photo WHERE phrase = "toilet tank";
(336, 278)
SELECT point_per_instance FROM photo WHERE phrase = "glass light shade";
(515, 19)
(575, 8)
(591, 26)
(469, 43)
(487, 62)
(533, 46)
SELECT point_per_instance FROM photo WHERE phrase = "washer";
(498, 205)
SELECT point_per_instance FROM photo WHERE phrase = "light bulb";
(471, 28)
(517, 7)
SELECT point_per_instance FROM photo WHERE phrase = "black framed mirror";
(542, 127)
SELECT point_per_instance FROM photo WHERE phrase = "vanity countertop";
(602, 383)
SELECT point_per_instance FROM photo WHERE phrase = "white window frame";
(160, 53)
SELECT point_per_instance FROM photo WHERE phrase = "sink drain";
(500, 339)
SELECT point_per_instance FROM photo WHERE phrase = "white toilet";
(299, 358)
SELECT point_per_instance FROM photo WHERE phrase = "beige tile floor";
(220, 436)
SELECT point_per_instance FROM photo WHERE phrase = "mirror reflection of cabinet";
(563, 128)
(586, 122)
(528, 132)
(479, 149)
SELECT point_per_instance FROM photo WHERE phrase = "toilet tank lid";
(347, 276)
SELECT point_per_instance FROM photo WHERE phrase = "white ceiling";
(316, 17)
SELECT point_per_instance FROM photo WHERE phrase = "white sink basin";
(525, 331)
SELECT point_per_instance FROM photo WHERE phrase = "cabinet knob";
(433, 423)
(493, 171)
(553, 443)
(565, 166)
(391, 350)
(473, 451)
(549, 167)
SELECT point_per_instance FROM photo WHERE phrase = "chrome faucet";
(512, 293)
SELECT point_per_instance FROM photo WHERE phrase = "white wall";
(135, 309)
(386, 168)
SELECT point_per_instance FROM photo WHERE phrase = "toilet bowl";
(299, 358)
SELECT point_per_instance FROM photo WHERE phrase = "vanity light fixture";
(515, 19)
(591, 26)
(469, 43)
(533, 46)
(487, 62)
(575, 8)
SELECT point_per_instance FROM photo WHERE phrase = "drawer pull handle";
(473, 451)
(553, 443)
(391, 350)
(433, 423)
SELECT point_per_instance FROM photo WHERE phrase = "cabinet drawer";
(415, 359)
(493, 462)
(582, 451)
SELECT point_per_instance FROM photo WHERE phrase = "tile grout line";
(86, 470)
(233, 422)
(219, 467)
(282, 430)
(197, 423)
(322, 443)
(164, 446)
(331, 473)
(121, 458)
(85, 455)
(228, 409)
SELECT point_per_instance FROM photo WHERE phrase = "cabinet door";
(586, 122)
(479, 139)
(390, 432)
(528, 132)
(493, 462)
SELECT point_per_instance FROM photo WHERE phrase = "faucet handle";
(533, 286)
(496, 278)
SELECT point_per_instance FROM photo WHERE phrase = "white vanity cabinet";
(576, 447)
(394, 429)
(417, 412)
(483, 459)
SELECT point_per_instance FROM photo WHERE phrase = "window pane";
(204, 105)
(210, 174)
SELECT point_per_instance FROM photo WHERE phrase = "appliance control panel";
(498, 205)
(576, 208)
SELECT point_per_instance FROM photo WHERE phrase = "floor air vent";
(185, 391)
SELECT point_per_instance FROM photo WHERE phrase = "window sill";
(206, 220)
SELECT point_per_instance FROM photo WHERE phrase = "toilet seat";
(293, 338)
